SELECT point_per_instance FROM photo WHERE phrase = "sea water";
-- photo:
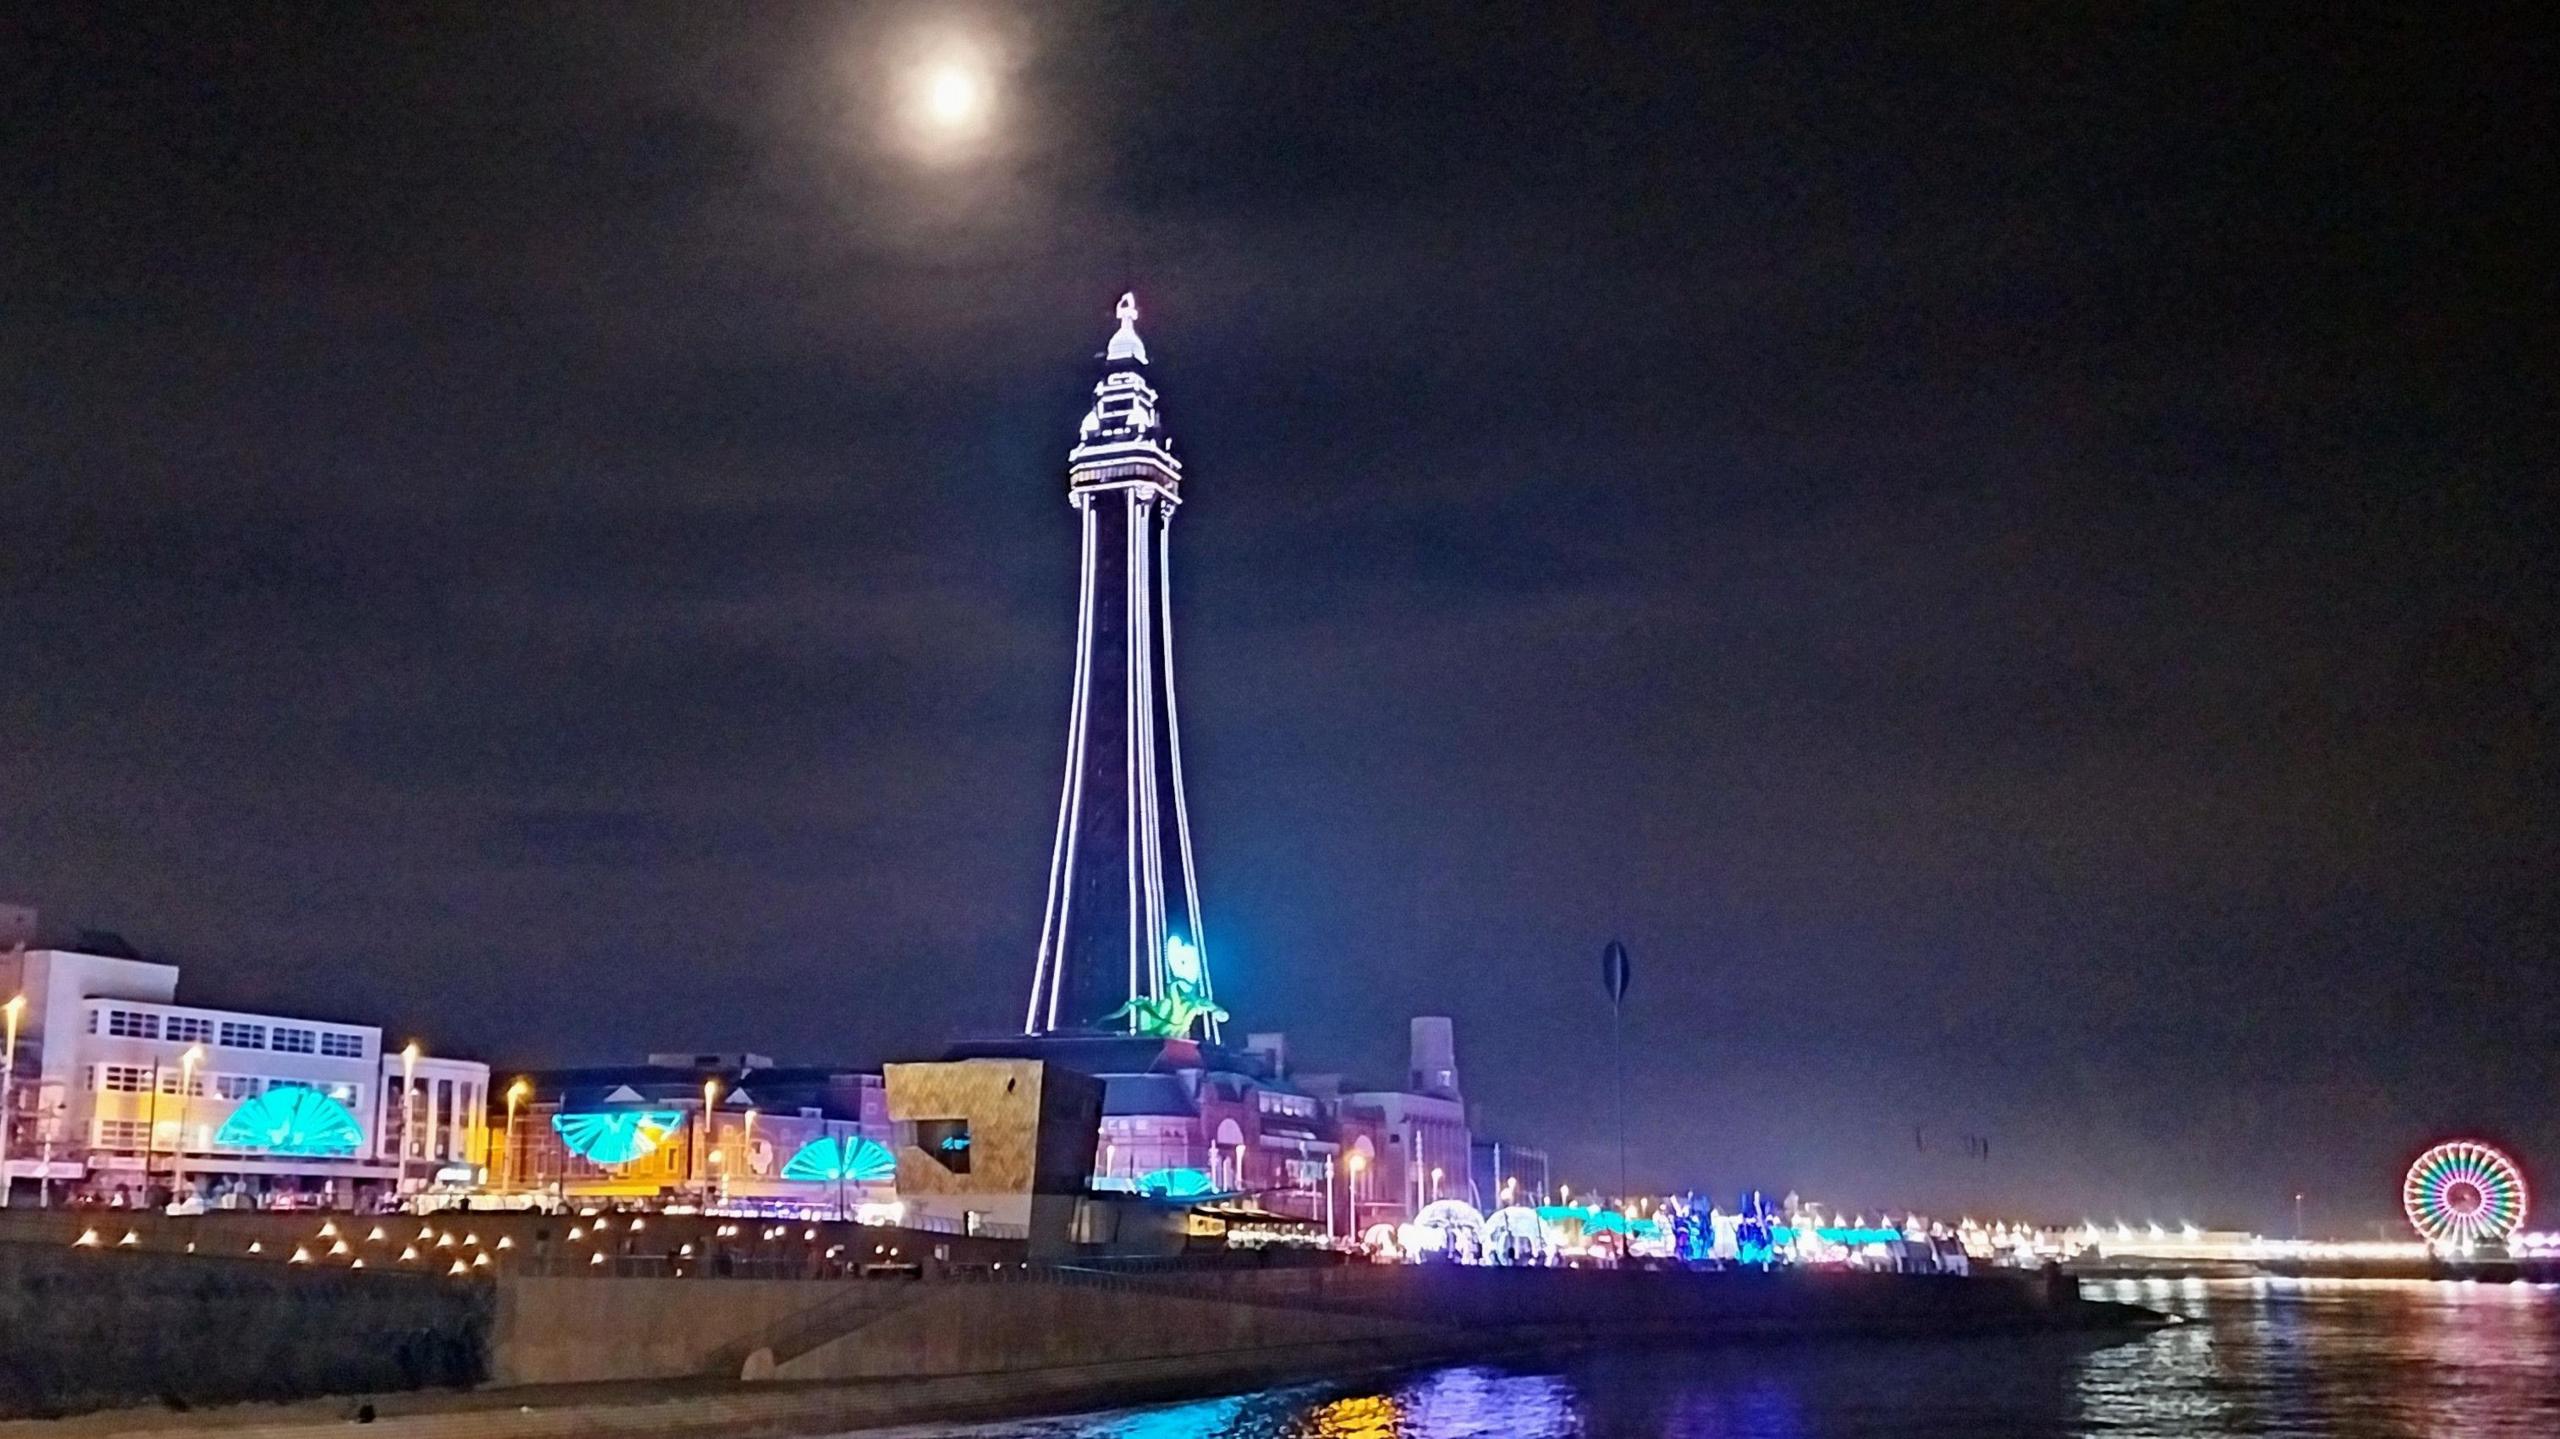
(2340, 1359)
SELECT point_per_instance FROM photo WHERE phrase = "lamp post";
(16, 1006)
(408, 1108)
(517, 1092)
(151, 1133)
(746, 1151)
(1435, 1183)
(1355, 1163)
(710, 1099)
(187, 1063)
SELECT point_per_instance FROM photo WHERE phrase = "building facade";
(121, 1094)
(730, 1132)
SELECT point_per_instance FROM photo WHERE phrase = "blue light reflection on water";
(2290, 1359)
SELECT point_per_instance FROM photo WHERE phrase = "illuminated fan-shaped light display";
(2464, 1193)
(1176, 1184)
(293, 1119)
(617, 1136)
(863, 1161)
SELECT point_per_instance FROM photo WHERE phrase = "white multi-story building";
(119, 1091)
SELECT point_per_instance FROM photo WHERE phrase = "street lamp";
(16, 1006)
(1435, 1181)
(187, 1063)
(710, 1099)
(517, 1093)
(408, 1108)
(1355, 1163)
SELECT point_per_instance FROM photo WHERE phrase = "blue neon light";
(617, 1136)
(1176, 1184)
(828, 1160)
(293, 1119)
(1833, 1234)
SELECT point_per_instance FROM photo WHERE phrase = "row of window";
(230, 1034)
(136, 1079)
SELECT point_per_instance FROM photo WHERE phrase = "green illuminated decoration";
(863, 1161)
(293, 1119)
(1184, 1003)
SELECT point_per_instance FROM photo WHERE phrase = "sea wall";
(583, 1331)
(86, 1328)
(82, 1330)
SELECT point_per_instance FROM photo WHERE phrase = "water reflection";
(2272, 1357)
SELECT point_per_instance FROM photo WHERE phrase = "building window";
(186, 1029)
(239, 1086)
(947, 1140)
(122, 1133)
(242, 1036)
(292, 1041)
(132, 1024)
(443, 1117)
(338, 1045)
(124, 1078)
(171, 1078)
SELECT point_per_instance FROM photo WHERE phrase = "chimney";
(1435, 1057)
(1273, 1048)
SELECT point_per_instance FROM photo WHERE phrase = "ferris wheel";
(2464, 1193)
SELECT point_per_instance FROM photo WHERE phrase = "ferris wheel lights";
(2464, 1194)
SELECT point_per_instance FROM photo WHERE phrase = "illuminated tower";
(1120, 942)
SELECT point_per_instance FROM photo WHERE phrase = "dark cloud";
(2004, 556)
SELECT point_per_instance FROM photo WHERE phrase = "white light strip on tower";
(1130, 600)
(1062, 850)
(1078, 724)
(1143, 633)
(1173, 735)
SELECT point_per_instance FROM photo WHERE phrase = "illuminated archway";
(1446, 1226)
(1516, 1235)
(293, 1119)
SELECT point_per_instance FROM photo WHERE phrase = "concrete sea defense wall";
(83, 1330)
(731, 1357)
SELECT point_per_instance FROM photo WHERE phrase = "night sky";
(2009, 556)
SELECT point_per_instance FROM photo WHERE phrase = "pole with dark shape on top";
(1615, 971)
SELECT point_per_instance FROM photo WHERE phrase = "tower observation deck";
(1120, 941)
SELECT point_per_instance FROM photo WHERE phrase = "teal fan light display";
(1176, 1184)
(617, 1136)
(292, 1119)
(854, 1158)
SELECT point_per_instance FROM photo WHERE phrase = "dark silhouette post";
(1615, 971)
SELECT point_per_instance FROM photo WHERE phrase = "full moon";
(954, 97)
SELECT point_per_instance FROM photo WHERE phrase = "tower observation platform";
(1121, 948)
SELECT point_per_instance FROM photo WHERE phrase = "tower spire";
(1125, 344)
(1120, 940)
